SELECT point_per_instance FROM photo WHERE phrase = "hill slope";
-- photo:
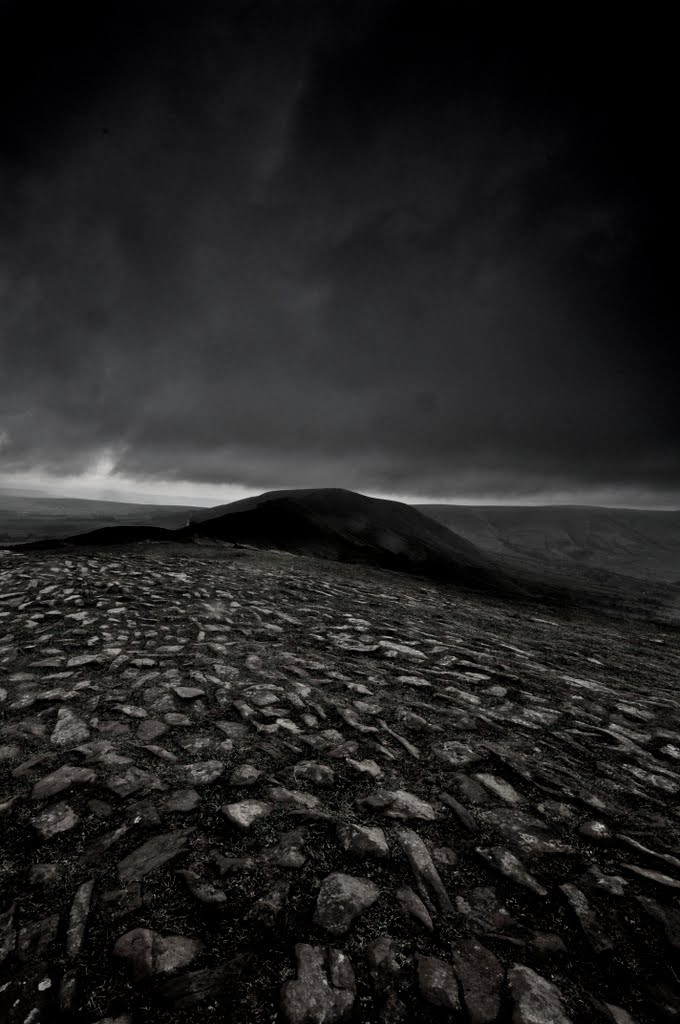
(638, 543)
(324, 523)
(345, 526)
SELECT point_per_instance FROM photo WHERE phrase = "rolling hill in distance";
(26, 518)
(622, 559)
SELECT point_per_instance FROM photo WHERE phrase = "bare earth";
(249, 787)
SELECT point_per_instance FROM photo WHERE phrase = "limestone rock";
(343, 898)
(324, 990)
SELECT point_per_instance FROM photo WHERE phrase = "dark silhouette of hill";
(325, 523)
(346, 526)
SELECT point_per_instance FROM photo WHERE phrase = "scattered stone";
(58, 818)
(188, 692)
(399, 804)
(152, 854)
(246, 812)
(652, 876)
(413, 905)
(500, 788)
(245, 775)
(535, 1000)
(69, 730)
(148, 953)
(548, 946)
(381, 954)
(78, 919)
(323, 991)
(46, 875)
(266, 910)
(481, 978)
(63, 778)
(312, 771)
(132, 781)
(437, 982)
(423, 867)
(7, 932)
(36, 936)
(363, 841)
(120, 902)
(288, 853)
(182, 801)
(598, 940)
(343, 898)
(202, 773)
(508, 865)
(205, 892)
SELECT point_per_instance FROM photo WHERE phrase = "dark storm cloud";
(398, 246)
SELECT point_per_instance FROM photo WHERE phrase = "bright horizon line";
(107, 486)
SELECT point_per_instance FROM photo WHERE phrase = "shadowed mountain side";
(99, 538)
(638, 543)
(345, 526)
(327, 523)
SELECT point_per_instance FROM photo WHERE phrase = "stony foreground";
(262, 788)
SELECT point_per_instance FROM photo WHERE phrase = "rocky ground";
(251, 787)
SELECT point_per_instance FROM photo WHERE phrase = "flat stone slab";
(343, 898)
(152, 854)
(323, 991)
(246, 812)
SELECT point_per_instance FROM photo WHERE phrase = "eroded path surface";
(263, 788)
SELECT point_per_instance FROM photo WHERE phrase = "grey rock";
(153, 854)
(363, 840)
(77, 922)
(294, 798)
(46, 875)
(182, 801)
(323, 991)
(36, 936)
(205, 892)
(481, 978)
(652, 876)
(535, 1000)
(288, 852)
(266, 910)
(188, 692)
(7, 932)
(548, 946)
(312, 771)
(61, 779)
(245, 775)
(132, 781)
(437, 982)
(381, 954)
(70, 730)
(343, 898)
(423, 867)
(59, 818)
(148, 953)
(202, 773)
(508, 865)
(400, 804)
(413, 905)
(485, 911)
(246, 812)
(598, 940)
(120, 902)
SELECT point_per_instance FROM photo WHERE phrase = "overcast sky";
(410, 248)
